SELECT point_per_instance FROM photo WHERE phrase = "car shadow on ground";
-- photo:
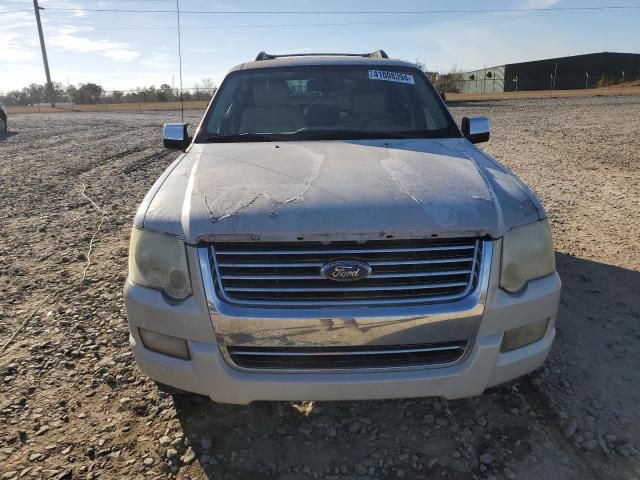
(7, 135)
(435, 438)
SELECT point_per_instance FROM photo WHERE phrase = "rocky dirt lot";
(74, 405)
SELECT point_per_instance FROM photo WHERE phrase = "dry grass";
(632, 88)
(109, 107)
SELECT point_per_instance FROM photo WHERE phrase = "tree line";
(92, 93)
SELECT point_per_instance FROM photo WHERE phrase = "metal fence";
(492, 81)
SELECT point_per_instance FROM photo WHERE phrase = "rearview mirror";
(476, 128)
(175, 136)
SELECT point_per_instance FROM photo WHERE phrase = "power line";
(108, 1)
(283, 25)
(331, 12)
(331, 24)
(53, 2)
(2, 12)
(346, 12)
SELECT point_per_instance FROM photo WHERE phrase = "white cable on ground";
(82, 279)
(104, 214)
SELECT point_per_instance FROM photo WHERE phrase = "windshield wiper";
(345, 134)
(242, 137)
(330, 134)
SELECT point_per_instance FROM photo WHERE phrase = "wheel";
(3, 124)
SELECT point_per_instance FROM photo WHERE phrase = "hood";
(337, 190)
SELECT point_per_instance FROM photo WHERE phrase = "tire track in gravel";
(63, 166)
(124, 153)
(541, 404)
(143, 162)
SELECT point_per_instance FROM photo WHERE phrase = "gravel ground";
(74, 405)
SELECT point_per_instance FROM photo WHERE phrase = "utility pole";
(49, 88)
(180, 58)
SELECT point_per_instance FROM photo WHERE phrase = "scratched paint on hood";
(243, 182)
(442, 188)
(337, 190)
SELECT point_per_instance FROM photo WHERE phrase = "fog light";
(166, 344)
(519, 337)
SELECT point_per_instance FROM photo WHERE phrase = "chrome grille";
(403, 272)
(319, 358)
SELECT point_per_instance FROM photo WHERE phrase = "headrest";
(368, 102)
(320, 115)
(274, 93)
(316, 85)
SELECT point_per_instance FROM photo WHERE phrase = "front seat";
(271, 112)
(369, 110)
(321, 115)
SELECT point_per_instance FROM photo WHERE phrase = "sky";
(125, 50)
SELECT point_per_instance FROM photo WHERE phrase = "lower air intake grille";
(322, 358)
(402, 272)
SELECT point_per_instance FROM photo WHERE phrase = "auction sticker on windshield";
(391, 76)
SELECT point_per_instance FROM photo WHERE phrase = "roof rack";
(377, 54)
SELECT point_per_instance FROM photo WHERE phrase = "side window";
(433, 114)
(428, 118)
(404, 109)
(297, 87)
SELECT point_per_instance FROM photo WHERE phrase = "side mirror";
(476, 129)
(175, 136)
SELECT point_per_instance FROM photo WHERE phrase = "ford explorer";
(328, 233)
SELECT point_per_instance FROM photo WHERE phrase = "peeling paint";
(393, 175)
(232, 199)
(237, 208)
(338, 190)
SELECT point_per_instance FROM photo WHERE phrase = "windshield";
(328, 102)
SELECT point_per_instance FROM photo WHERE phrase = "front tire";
(3, 124)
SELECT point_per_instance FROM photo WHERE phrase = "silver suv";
(330, 233)
(3, 118)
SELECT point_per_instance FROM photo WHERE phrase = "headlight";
(158, 260)
(527, 253)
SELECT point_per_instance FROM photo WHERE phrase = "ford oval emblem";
(345, 271)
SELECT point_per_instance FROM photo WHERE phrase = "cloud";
(157, 60)
(14, 49)
(75, 13)
(67, 41)
(541, 3)
(470, 44)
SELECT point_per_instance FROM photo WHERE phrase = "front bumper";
(209, 371)
(208, 374)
